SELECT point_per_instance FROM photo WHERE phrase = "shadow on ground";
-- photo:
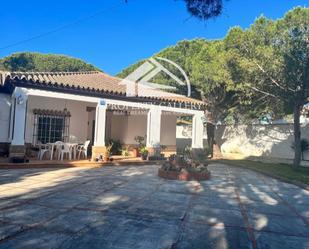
(130, 207)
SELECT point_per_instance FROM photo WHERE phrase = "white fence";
(263, 141)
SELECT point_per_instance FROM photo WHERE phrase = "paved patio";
(130, 207)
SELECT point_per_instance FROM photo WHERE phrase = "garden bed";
(187, 167)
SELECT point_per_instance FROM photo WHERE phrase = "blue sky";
(120, 34)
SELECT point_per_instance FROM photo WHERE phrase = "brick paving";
(130, 207)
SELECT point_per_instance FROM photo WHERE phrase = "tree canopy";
(272, 58)
(205, 64)
(27, 61)
(204, 9)
(262, 70)
(245, 64)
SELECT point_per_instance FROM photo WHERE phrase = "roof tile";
(97, 81)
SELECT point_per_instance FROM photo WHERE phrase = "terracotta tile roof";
(93, 80)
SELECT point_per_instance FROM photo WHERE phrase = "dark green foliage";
(116, 148)
(225, 73)
(272, 62)
(140, 140)
(204, 9)
(204, 63)
(182, 54)
(38, 62)
(125, 72)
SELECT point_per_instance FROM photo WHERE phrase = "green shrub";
(125, 151)
(140, 140)
(116, 147)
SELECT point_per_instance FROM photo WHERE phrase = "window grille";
(51, 126)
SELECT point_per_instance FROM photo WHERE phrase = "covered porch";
(40, 117)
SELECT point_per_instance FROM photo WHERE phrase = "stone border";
(4, 166)
(183, 176)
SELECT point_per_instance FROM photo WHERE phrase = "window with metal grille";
(51, 126)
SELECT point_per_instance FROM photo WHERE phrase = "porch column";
(99, 134)
(153, 129)
(19, 101)
(197, 131)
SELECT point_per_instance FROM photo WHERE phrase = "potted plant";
(116, 148)
(157, 152)
(107, 152)
(144, 153)
(125, 151)
(140, 144)
(135, 152)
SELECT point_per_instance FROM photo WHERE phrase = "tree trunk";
(297, 137)
(210, 127)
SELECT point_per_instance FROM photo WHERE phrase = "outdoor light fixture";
(20, 99)
(66, 112)
(204, 119)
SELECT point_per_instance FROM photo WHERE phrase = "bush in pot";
(107, 152)
(140, 140)
(144, 153)
(125, 151)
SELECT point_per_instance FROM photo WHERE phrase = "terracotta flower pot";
(106, 158)
(135, 152)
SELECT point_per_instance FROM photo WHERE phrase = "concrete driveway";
(130, 207)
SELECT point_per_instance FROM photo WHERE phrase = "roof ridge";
(98, 81)
(53, 73)
(111, 76)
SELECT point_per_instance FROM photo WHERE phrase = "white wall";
(91, 118)
(267, 141)
(108, 128)
(137, 126)
(78, 120)
(125, 128)
(5, 109)
(118, 127)
(184, 136)
(168, 129)
(185, 132)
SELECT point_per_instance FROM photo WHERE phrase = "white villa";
(79, 106)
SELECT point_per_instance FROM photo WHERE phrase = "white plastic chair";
(66, 149)
(82, 149)
(43, 149)
(58, 146)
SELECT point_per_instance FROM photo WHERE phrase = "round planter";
(184, 176)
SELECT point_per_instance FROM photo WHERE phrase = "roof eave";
(16, 82)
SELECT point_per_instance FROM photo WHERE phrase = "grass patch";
(279, 170)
